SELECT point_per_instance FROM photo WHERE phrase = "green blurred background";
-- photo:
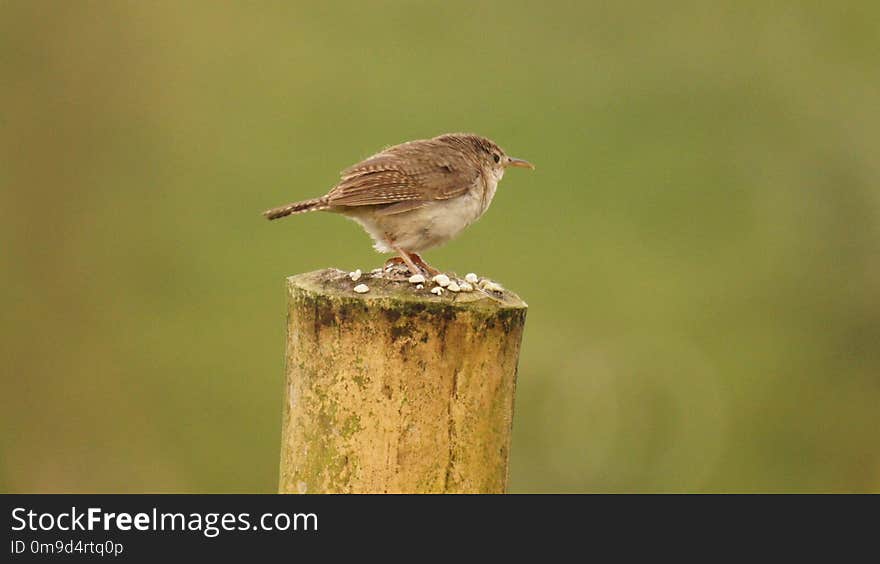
(699, 245)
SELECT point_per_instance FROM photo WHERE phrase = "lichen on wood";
(397, 390)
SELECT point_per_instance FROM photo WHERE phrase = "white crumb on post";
(438, 290)
(356, 275)
(420, 287)
(466, 287)
(471, 278)
(441, 280)
(361, 288)
(490, 286)
(416, 279)
(453, 286)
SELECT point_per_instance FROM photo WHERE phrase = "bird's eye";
(496, 156)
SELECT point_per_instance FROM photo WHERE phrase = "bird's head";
(487, 153)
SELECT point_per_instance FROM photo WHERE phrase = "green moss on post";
(397, 390)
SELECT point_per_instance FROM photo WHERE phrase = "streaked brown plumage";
(416, 195)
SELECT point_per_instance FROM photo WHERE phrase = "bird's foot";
(400, 268)
(394, 261)
(420, 262)
(414, 264)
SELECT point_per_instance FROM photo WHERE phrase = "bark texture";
(397, 390)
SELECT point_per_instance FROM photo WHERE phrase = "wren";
(416, 195)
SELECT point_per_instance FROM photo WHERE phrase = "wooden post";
(397, 390)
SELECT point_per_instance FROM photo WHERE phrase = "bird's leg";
(424, 265)
(413, 269)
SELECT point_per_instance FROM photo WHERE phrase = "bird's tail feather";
(315, 204)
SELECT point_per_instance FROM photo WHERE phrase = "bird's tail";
(315, 204)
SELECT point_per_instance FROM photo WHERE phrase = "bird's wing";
(417, 171)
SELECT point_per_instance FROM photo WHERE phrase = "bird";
(416, 195)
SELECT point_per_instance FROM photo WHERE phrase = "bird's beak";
(519, 163)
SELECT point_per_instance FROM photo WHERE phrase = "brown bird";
(416, 195)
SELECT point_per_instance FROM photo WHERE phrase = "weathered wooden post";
(397, 390)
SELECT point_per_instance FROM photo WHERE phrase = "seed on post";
(490, 286)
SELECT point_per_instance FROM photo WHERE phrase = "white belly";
(425, 227)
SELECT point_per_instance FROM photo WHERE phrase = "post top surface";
(333, 282)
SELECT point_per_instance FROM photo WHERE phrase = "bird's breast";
(430, 225)
(435, 223)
